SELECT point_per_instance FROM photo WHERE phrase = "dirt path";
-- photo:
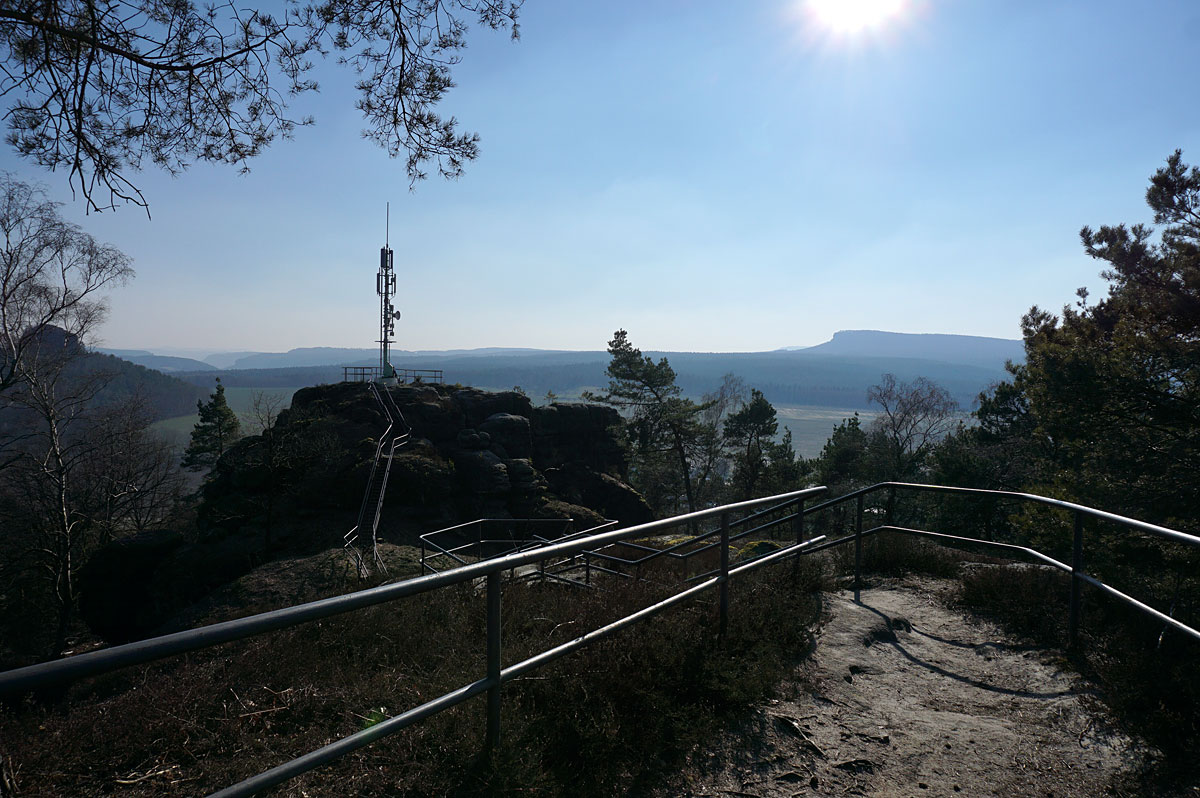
(904, 697)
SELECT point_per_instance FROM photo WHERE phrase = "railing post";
(891, 507)
(1076, 582)
(858, 550)
(493, 659)
(724, 573)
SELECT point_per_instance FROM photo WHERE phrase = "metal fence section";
(598, 547)
(1079, 576)
(97, 662)
(403, 376)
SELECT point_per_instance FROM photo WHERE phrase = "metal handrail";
(92, 663)
(1153, 529)
(103, 660)
(1078, 576)
(439, 550)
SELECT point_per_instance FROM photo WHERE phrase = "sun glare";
(854, 16)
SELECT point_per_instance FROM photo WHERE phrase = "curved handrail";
(1153, 529)
(107, 659)
(157, 648)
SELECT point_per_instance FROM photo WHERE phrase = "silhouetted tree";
(217, 428)
(710, 461)
(1116, 384)
(102, 89)
(842, 462)
(914, 417)
(81, 473)
(51, 275)
(661, 422)
(750, 432)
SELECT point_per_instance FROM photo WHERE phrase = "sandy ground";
(904, 697)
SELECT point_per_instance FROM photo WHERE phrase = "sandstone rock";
(584, 433)
(482, 472)
(477, 405)
(578, 483)
(510, 431)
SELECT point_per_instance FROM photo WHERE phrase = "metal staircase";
(393, 438)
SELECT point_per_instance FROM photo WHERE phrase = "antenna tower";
(385, 286)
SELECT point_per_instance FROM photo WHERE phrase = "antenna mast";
(385, 286)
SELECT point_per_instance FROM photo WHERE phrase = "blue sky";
(710, 176)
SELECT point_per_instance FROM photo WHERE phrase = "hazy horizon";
(199, 353)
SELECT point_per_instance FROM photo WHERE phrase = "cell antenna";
(387, 223)
(385, 286)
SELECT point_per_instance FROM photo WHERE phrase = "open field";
(812, 426)
(178, 429)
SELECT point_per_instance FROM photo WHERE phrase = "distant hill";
(165, 396)
(311, 356)
(970, 349)
(225, 360)
(835, 374)
(333, 356)
(165, 363)
(126, 353)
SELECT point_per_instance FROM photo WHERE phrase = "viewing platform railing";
(496, 674)
(403, 376)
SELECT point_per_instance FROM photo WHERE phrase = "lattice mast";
(385, 286)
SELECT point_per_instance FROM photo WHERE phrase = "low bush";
(604, 721)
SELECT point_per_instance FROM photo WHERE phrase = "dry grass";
(605, 721)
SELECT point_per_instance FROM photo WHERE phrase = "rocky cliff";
(295, 489)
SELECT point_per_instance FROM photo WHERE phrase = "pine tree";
(217, 428)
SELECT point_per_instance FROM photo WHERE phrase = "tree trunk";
(687, 478)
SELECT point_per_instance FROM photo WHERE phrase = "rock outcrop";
(472, 453)
(295, 489)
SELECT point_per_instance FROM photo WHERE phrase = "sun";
(854, 16)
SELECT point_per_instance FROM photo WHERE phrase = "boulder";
(602, 492)
(478, 405)
(511, 432)
(584, 433)
(481, 472)
(130, 587)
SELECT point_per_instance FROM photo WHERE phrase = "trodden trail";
(903, 696)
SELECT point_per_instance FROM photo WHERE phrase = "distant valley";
(812, 386)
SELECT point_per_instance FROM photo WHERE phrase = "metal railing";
(403, 376)
(496, 674)
(1079, 576)
(97, 662)
(488, 538)
(394, 437)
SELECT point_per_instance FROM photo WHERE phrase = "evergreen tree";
(842, 462)
(1115, 385)
(217, 428)
(750, 433)
(663, 425)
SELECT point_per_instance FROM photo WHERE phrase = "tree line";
(687, 455)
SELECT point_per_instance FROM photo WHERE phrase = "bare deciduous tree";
(915, 415)
(102, 88)
(51, 275)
